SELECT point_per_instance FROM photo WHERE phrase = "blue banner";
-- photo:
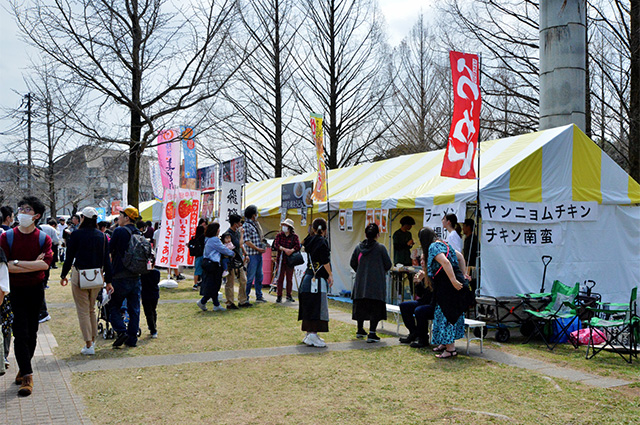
(189, 150)
(102, 214)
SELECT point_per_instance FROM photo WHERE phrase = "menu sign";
(297, 195)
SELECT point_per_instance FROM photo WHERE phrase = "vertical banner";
(169, 158)
(189, 152)
(125, 193)
(465, 125)
(156, 180)
(320, 188)
(230, 202)
(234, 170)
(208, 178)
(179, 222)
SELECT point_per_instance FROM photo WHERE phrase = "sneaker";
(290, 299)
(180, 277)
(261, 300)
(315, 341)
(195, 287)
(219, 308)
(225, 273)
(247, 304)
(361, 334)
(44, 319)
(154, 335)
(202, 306)
(120, 340)
(408, 339)
(306, 340)
(232, 306)
(279, 299)
(26, 387)
(88, 351)
(373, 337)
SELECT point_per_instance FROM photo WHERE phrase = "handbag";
(294, 259)
(208, 265)
(92, 278)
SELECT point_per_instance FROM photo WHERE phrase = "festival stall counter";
(560, 169)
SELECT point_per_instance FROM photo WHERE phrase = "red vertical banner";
(465, 125)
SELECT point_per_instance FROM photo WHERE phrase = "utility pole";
(29, 143)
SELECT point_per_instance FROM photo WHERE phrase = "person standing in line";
(7, 217)
(255, 247)
(318, 279)
(450, 222)
(29, 254)
(126, 284)
(212, 278)
(286, 243)
(237, 265)
(88, 248)
(370, 260)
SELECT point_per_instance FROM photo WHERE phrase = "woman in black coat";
(371, 262)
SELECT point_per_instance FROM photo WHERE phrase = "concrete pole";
(563, 63)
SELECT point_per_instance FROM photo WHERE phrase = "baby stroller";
(104, 325)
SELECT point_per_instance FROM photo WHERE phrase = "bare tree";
(344, 75)
(146, 61)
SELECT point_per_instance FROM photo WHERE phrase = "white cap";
(89, 212)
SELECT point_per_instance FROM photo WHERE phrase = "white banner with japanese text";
(179, 222)
(522, 234)
(230, 202)
(433, 216)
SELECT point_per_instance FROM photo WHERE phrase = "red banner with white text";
(463, 136)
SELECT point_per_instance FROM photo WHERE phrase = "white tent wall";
(606, 251)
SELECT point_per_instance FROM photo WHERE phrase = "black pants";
(55, 249)
(26, 303)
(150, 313)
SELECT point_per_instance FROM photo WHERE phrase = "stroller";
(104, 325)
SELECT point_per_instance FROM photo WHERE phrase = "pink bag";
(582, 336)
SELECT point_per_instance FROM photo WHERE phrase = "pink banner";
(179, 222)
(169, 158)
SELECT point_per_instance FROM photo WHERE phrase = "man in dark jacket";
(126, 284)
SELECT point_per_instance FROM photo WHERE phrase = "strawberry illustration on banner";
(465, 125)
(179, 222)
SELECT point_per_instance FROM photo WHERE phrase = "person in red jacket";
(29, 255)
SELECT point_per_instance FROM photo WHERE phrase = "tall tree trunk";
(333, 94)
(50, 165)
(135, 146)
(278, 92)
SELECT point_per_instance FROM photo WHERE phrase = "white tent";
(560, 166)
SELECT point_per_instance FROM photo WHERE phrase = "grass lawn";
(184, 328)
(394, 385)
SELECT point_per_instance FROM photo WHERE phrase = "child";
(224, 260)
(149, 296)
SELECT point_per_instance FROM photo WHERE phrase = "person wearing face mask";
(286, 243)
(29, 255)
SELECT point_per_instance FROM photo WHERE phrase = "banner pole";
(478, 209)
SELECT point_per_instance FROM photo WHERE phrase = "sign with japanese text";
(296, 195)
(115, 207)
(539, 212)
(433, 217)
(465, 125)
(208, 178)
(230, 201)
(169, 158)
(349, 220)
(234, 170)
(179, 222)
(189, 152)
(320, 187)
(303, 216)
(343, 220)
(522, 234)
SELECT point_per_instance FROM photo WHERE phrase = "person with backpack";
(196, 250)
(126, 279)
(29, 254)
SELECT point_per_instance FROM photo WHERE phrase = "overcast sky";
(400, 15)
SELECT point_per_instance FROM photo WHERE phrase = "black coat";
(371, 262)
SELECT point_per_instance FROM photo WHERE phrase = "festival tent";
(151, 210)
(560, 168)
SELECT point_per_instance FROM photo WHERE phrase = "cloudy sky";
(400, 15)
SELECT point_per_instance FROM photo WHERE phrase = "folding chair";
(620, 326)
(562, 306)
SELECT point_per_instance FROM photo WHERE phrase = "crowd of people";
(99, 261)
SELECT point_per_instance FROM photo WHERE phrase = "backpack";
(138, 258)
(41, 238)
(196, 246)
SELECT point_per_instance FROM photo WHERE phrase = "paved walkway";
(53, 400)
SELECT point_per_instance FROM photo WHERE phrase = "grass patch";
(184, 328)
(385, 386)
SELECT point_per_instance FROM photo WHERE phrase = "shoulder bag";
(92, 278)
(294, 259)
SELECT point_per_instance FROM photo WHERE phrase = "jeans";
(26, 303)
(126, 289)
(419, 325)
(254, 272)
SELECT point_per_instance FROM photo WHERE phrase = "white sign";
(522, 234)
(539, 212)
(230, 201)
(433, 217)
(349, 216)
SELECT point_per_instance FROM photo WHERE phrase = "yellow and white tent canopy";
(560, 163)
